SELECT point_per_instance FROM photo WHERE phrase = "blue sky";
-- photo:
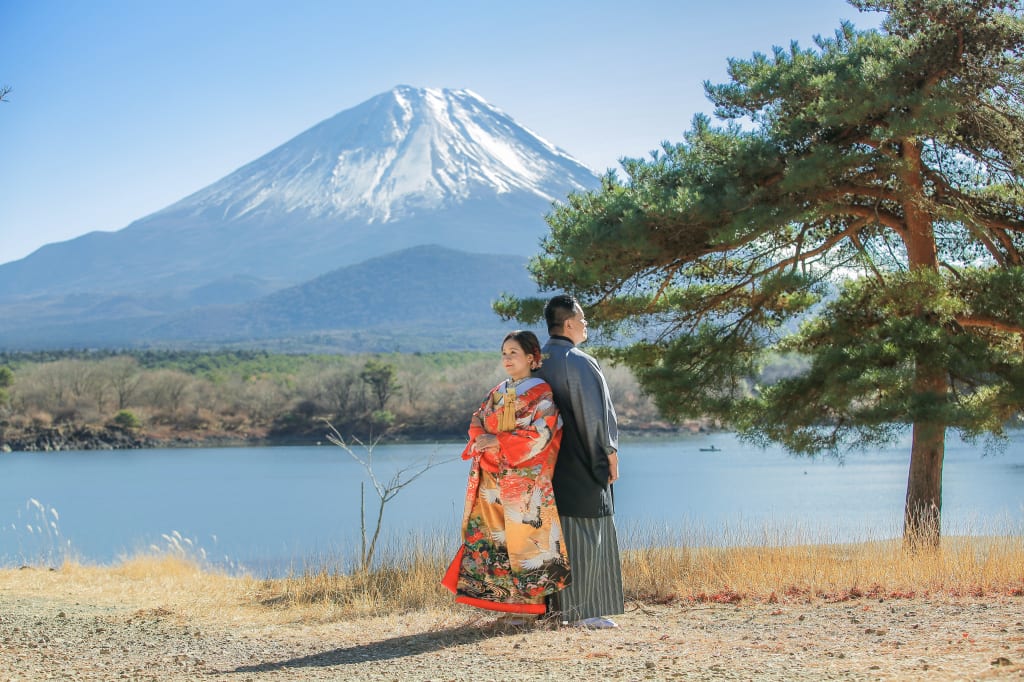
(119, 108)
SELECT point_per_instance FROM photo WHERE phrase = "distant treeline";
(258, 396)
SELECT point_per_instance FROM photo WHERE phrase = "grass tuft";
(405, 578)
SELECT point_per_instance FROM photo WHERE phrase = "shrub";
(126, 419)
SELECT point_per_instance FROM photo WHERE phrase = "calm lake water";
(275, 509)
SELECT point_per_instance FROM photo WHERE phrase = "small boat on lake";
(711, 449)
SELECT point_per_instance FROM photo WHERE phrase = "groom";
(588, 464)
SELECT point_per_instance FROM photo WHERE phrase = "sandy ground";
(57, 629)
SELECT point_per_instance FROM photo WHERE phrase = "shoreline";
(78, 437)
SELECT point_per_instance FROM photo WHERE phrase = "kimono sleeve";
(476, 427)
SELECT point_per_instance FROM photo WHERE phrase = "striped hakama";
(596, 589)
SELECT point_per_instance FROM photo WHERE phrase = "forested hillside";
(84, 400)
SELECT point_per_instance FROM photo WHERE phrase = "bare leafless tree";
(122, 375)
(166, 389)
(385, 491)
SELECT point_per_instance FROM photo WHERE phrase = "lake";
(271, 510)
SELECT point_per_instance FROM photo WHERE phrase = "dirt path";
(70, 637)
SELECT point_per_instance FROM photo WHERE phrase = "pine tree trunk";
(922, 516)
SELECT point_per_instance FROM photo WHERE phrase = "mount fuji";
(407, 168)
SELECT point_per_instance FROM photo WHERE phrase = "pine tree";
(868, 188)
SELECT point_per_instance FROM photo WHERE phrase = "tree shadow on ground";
(394, 647)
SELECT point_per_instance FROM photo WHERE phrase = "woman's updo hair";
(527, 340)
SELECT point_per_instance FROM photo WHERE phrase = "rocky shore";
(84, 437)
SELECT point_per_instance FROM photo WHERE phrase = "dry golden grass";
(407, 579)
(961, 566)
(148, 582)
(765, 572)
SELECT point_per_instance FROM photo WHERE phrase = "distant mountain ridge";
(422, 298)
(408, 168)
(440, 300)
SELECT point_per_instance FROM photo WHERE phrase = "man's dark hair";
(559, 309)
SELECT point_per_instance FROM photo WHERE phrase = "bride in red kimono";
(512, 555)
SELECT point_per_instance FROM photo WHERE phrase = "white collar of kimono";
(523, 385)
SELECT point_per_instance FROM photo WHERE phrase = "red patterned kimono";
(512, 554)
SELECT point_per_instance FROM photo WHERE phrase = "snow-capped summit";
(408, 167)
(405, 151)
